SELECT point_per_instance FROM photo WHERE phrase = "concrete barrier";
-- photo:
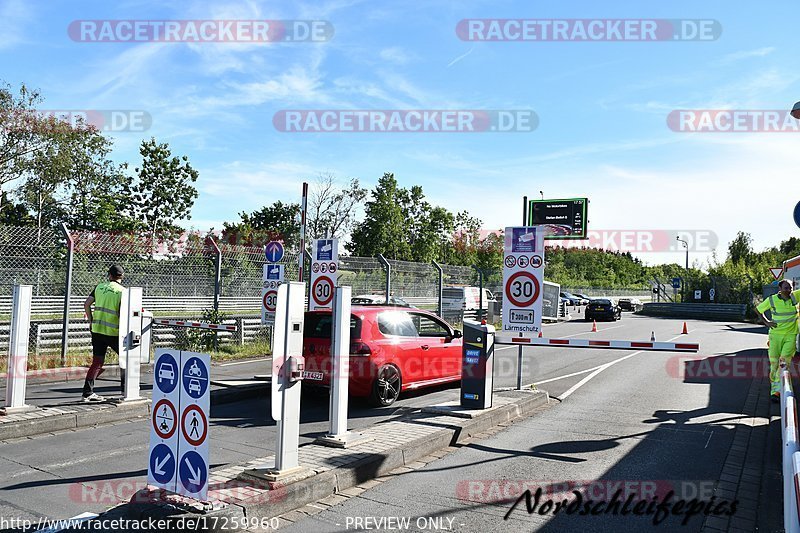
(732, 312)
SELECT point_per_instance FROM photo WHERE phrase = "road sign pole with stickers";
(523, 268)
(324, 273)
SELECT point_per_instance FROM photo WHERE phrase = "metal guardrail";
(53, 305)
(45, 336)
(791, 454)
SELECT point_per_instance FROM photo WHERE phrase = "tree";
(163, 192)
(276, 222)
(23, 132)
(331, 211)
(740, 248)
(383, 229)
(13, 214)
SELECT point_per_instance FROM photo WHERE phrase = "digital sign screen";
(562, 218)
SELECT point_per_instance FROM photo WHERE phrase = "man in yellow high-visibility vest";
(782, 330)
(104, 320)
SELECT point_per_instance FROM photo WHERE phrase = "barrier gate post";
(338, 436)
(130, 343)
(287, 373)
(17, 374)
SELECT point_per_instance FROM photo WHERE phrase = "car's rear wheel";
(386, 387)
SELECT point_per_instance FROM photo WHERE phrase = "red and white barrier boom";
(198, 325)
(502, 338)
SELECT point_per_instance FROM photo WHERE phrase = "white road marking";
(585, 380)
(243, 362)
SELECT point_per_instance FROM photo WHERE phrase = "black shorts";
(101, 343)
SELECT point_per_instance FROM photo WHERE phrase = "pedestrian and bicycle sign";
(523, 260)
(324, 268)
(178, 460)
(273, 251)
(165, 418)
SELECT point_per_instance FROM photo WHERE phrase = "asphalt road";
(631, 419)
(637, 425)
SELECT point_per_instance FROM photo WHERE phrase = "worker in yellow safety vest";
(104, 320)
(782, 330)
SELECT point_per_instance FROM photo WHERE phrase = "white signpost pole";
(18, 351)
(339, 436)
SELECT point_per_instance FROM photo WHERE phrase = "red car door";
(441, 353)
(402, 346)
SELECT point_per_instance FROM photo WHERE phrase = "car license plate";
(313, 376)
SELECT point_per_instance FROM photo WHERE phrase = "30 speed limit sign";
(522, 280)
(269, 299)
(325, 255)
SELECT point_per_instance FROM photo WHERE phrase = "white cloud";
(747, 54)
(396, 55)
(16, 16)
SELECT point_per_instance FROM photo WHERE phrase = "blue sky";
(602, 106)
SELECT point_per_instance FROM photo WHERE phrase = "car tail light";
(360, 349)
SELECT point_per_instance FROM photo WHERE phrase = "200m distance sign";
(523, 272)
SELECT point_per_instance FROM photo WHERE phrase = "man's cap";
(116, 271)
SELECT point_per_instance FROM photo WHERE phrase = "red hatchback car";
(391, 350)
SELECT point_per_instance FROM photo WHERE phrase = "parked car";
(630, 304)
(603, 308)
(571, 298)
(391, 350)
(466, 298)
(378, 299)
(586, 299)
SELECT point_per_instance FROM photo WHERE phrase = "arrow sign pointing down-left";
(160, 465)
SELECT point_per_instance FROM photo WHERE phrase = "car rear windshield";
(319, 326)
(601, 302)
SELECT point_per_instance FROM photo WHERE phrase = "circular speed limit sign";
(522, 289)
(270, 301)
(322, 291)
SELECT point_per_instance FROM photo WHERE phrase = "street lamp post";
(685, 245)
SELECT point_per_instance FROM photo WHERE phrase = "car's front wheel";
(386, 387)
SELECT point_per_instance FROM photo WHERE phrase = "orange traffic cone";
(652, 336)
(594, 326)
(685, 329)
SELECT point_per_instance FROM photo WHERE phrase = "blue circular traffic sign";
(193, 472)
(195, 377)
(273, 251)
(162, 463)
(166, 373)
(797, 214)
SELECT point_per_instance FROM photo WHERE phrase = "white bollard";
(18, 351)
(791, 522)
(130, 342)
(340, 377)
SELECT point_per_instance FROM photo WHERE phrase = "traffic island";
(235, 492)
